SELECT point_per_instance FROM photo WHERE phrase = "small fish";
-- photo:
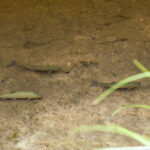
(46, 68)
(129, 85)
(21, 95)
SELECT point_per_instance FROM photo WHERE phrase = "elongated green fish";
(46, 68)
(129, 85)
(21, 95)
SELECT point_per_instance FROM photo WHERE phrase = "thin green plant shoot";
(111, 128)
(130, 106)
(140, 66)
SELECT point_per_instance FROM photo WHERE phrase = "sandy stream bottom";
(98, 40)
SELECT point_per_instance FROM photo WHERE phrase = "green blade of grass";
(119, 84)
(126, 148)
(140, 66)
(130, 106)
(114, 129)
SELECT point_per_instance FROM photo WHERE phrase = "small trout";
(46, 68)
(21, 95)
(129, 85)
